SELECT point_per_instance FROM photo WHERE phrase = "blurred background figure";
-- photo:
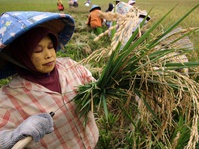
(110, 8)
(87, 3)
(117, 1)
(60, 5)
(70, 3)
(131, 2)
(75, 3)
(123, 8)
(94, 21)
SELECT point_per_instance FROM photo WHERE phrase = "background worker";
(94, 20)
(131, 2)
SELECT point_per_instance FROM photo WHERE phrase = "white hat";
(131, 2)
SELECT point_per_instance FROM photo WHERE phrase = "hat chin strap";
(8, 58)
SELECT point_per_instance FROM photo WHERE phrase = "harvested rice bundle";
(165, 98)
(125, 26)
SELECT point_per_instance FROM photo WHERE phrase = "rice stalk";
(125, 25)
(95, 55)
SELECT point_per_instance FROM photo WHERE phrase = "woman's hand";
(36, 126)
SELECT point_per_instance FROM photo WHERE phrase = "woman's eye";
(38, 49)
(50, 46)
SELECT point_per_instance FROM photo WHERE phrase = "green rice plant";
(181, 134)
(143, 74)
(106, 132)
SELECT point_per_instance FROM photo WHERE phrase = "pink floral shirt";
(21, 99)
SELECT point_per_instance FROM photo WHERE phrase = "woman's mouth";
(49, 63)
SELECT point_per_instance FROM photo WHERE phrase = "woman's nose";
(48, 54)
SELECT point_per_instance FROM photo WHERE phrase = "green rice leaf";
(105, 106)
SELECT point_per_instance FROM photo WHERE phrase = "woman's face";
(44, 56)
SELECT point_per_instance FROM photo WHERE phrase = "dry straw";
(125, 24)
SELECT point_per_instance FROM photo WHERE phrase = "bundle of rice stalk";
(161, 92)
(125, 25)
